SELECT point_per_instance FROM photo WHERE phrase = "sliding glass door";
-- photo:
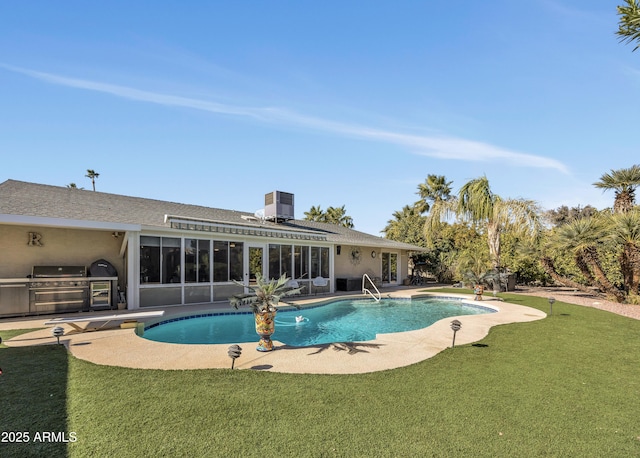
(390, 268)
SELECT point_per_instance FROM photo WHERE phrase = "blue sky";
(341, 103)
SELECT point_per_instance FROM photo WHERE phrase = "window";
(324, 262)
(162, 261)
(227, 261)
(279, 260)
(196, 260)
(315, 261)
(301, 261)
(235, 260)
(149, 259)
(159, 260)
(285, 260)
(274, 261)
(319, 262)
(170, 260)
(220, 261)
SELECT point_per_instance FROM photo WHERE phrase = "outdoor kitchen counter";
(26, 280)
(15, 293)
(14, 296)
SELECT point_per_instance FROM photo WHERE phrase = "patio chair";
(319, 283)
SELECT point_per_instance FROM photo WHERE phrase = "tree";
(472, 265)
(549, 266)
(333, 215)
(629, 24)
(477, 204)
(314, 214)
(582, 237)
(434, 188)
(407, 226)
(338, 215)
(450, 244)
(624, 182)
(564, 214)
(92, 174)
(624, 230)
(73, 186)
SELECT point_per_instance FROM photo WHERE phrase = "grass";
(568, 385)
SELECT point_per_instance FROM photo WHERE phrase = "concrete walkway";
(122, 347)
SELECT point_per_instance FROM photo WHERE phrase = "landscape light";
(551, 301)
(455, 325)
(234, 352)
(58, 332)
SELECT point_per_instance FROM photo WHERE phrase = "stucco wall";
(344, 268)
(71, 247)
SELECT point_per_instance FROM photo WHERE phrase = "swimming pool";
(347, 320)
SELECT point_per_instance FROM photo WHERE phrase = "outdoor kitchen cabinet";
(14, 297)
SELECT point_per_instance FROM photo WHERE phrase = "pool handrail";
(366, 290)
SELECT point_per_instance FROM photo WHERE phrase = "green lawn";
(568, 385)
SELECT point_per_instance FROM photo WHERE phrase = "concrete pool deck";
(122, 347)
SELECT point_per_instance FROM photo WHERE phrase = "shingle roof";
(38, 200)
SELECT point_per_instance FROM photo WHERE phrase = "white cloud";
(434, 146)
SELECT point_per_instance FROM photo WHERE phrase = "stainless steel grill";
(58, 289)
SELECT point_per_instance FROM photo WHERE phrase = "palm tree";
(624, 182)
(265, 294)
(93, 175)
(338, 215)
(333, 215)
(581, 237)
(625, 230)
(629, 24)
(73, 186)
(264, 300)
(477, 204)
(473, 266)
(549, 267)
(434, 188)
(314, 214)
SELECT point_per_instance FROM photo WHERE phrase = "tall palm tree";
(434, 188)
(581, 237)
(92, 174)
(624, 182)
(477, 204)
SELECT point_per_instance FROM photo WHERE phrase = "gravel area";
(580, 298)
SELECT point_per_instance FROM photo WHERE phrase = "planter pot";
(265, 327)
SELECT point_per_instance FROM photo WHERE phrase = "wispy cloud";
(441, 147)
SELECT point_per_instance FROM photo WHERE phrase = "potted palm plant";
(263, 300)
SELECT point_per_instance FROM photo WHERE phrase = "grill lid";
(58, 271)
(102, 268)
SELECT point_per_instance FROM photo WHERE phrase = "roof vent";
(278, 206)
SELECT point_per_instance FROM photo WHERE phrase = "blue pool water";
(340, 321)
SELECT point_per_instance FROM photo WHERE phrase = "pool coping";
(122, 347)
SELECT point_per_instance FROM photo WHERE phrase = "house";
(168, 253)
